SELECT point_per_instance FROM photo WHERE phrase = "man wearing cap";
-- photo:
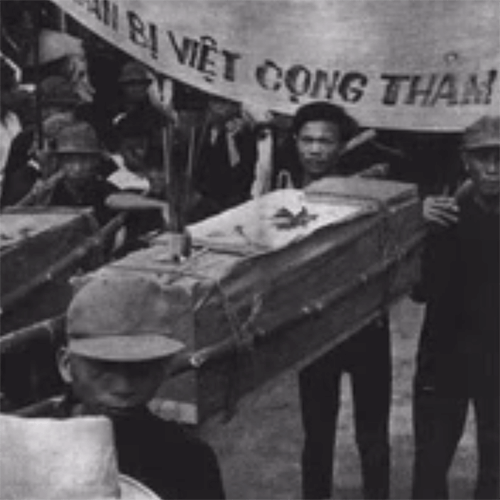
(120, 347)
(77, 151)
(458, 356)
(137, 89)
(141, 120)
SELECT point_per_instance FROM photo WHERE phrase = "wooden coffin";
(274, 283)
(34, 243)
(40, 249)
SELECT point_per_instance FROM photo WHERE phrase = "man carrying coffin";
(321, 132)
(457, 360)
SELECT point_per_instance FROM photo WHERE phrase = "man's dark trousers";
(367, 358)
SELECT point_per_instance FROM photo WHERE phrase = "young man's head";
(135, 80)
(321, 131)
(78, 152)
(222, 110)
(481, 153)
(119, 340)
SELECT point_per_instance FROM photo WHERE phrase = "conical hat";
(73, 459)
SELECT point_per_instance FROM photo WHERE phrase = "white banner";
(407, 64)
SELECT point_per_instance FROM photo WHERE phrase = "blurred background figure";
(80, 157)
(226, 154)
(140, 129)
(26, 160)
(10, 123)
(60, 54)
(135, 81)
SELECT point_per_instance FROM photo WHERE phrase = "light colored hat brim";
(125, 348)
(130, 489)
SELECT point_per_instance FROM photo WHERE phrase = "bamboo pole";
(166, 139)
(188, 178)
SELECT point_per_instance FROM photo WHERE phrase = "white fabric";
(263, 166)
(258, 224)
(71, 459)
(125, 179)
(419, 65)
(232, 148)
(9, 128)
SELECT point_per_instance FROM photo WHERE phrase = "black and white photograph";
(249, 249)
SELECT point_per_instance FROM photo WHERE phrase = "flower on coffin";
(286, 219)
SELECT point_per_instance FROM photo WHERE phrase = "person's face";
(134, 151)
(157, 182)
(77, 68)
(135, 91)
(222, 110)
(111, 387)
(319, 147)
(79, 167)
(484, 167)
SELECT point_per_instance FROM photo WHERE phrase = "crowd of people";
(57, 152)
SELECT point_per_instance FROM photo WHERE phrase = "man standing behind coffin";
(321, 132)
(458, 355)
(139, 128)
(122, 336)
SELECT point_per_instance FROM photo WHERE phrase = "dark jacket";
(19, 175)
(461, 328)
(215, 178)
(94, 196)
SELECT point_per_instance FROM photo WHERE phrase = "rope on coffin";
(241, 342)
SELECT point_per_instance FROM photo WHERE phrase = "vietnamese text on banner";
(406, 64)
